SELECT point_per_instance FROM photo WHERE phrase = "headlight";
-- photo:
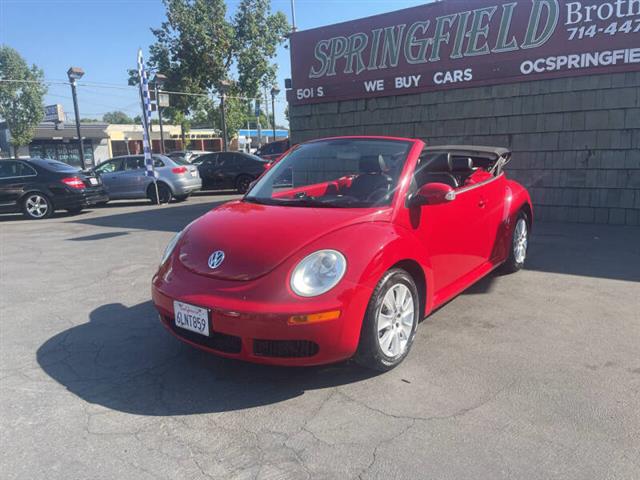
(318, 273)
(172, 244)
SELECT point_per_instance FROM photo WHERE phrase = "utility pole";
(266, 107)
(224, 87)
(274, 92)
(74, 74)
(257, 112)
(158, 83)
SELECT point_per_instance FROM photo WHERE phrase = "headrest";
(439, 162)
(383, 165)
(461, 164)
(370, 164)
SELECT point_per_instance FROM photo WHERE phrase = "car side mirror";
(433, 194)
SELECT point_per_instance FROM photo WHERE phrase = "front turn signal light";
(313, 318)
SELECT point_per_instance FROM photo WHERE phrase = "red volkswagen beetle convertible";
(340, 249)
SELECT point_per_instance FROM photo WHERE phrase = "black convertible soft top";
(497, 156)
(478, 150)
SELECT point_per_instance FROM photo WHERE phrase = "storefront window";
(66, 152)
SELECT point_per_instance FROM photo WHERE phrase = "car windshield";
(334, 173)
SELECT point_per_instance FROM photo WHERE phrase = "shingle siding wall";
(576, 141)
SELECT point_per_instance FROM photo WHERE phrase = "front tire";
(36, 206)
(390, 323)
(519, 245)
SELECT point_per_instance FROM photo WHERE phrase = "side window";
(107, 167)
(225, 160)
(210, 160)
(157, 163)
(133, 163)
(24, 170)
(10, 169)
(7, 169)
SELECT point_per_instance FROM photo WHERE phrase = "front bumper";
(249, 321)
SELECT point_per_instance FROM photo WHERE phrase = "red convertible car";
(340, 249)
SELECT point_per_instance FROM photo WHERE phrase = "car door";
(491, 196)
(110, 173)
(449, 233)
(14, 176)
(228, 169)
(133, 179)
(220, 173)
(207, 168)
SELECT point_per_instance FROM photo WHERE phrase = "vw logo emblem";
(216, 259)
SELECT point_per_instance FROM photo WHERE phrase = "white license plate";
(194, 173)
(192, 318)
(93, 181)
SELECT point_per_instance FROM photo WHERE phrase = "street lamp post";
(224, 88)
(76, 73)
(293, 16)
(274, 92)
(159, 83)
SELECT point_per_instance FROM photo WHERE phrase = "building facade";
(61, 143)
(575, 133)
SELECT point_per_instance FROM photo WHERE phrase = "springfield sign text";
(464, 42)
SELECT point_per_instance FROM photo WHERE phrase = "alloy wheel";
(520, 241)
(396, 320)
(37, 206)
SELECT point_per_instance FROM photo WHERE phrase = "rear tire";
(390, 323)
(242, 183)
(518, 246)
(164, 192)
(36, 206)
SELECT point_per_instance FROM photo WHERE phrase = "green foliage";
(21, 103)
(199, 46)
(117, 117)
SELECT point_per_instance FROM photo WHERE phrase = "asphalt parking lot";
(534, 375)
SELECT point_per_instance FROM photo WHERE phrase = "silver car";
(124, 178)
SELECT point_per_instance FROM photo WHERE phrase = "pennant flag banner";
(146, 115)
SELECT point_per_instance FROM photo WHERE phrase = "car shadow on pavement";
(601, 251)
(154, 217)
(124, 359)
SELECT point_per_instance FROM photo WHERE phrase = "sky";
(103, 36)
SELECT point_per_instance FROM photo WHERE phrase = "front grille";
(285, 348)
(216, 340)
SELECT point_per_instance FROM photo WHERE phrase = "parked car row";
(37, 187)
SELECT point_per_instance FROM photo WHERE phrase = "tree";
(117, 117)
(21, 103)
(199, 46)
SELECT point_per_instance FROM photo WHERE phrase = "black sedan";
(37, 187)
(229, 170)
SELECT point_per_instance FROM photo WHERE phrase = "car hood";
(257, 238)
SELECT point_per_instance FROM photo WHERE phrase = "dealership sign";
(457, 43)
(53, 113)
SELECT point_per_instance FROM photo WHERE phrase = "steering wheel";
(380, 192)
